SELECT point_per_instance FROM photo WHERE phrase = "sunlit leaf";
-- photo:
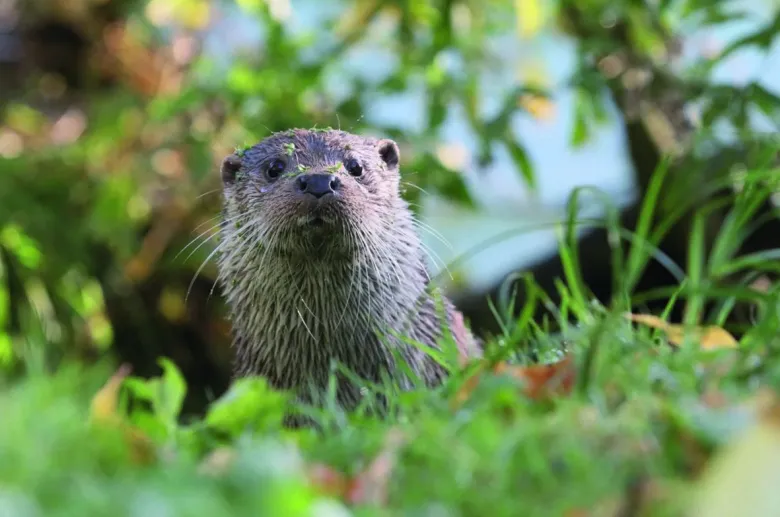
(579, 132)
(710, 337)
(453, 156)
(251, 6)
(166, 396)
(6, 350)
(171, 391)
(23, 118)
(192, 14)
(106, 401)
(529, 17)
(541, 108)
(23, 247)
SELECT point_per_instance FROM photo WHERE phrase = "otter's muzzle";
(317, 185)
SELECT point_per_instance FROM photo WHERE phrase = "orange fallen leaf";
(709, 338)
(543, 380)
(540, 380)
(103, 411)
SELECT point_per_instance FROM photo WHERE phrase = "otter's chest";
(306, 316)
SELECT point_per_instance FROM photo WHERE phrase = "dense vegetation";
(109, 150)
(626, 422)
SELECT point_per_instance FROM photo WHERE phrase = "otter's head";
(309, 191)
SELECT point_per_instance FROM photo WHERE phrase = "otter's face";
(307, 191)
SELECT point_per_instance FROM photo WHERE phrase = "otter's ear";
(230, 167)
(389, 152)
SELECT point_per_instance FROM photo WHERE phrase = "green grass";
(641, 415)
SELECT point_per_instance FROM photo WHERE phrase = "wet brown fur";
(301, 295)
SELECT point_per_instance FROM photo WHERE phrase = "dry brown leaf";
(543, 380)
(709, 338)
(103, 411)
(539, 380)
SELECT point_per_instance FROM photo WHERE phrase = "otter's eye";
(353, 167)
(275, 169)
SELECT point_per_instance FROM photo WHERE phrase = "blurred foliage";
(106, 180)
(644, 427)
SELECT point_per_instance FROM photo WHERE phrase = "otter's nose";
(317, 184)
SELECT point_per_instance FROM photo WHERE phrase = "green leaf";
(170, 392)
(762, 38)
(523, 163)
(141, 389)
(6, 350)
(151, 425)
(250, 403)
(165, 394)
(579, 132)
(437, 109)
(251, 6)
(26, 250)
(766, 101)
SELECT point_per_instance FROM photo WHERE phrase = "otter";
(319, 261)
